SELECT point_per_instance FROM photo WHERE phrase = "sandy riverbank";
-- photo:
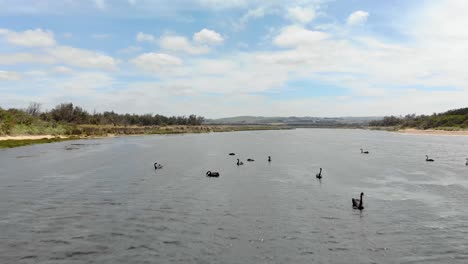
(29, 137)
(90, 131)
(37, 137)
(413, 131)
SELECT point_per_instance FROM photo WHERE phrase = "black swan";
(239, 162)
(319, 175)
(250, 160)
(157, 166)
(269, 159)
(232, 154)
(364, 152)
(357, 203)
(428, 159)
(212, 174)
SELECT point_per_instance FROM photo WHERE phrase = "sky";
(221, 58)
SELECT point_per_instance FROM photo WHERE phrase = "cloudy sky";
(221, 58)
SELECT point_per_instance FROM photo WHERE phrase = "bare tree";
(34, 109)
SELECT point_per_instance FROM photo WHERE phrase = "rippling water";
(101, 201)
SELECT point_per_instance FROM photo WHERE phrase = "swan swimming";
(319, 175)
(212, 174)
(357, 203)
(428, 159)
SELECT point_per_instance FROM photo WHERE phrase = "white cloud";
(441, 19)
(142, 37)
(221, 4)
(101, 4)
(145, 8)
(83, 58)
(9, 76)
(51, 52)
(215, 66)
(207, 36)
(302, 15)
(62, 70)
(293, 36)
(241, 73)
(254, 9)
(29, 38)
(381, 76)
(19, 58)
(181, 44)
(156, 62)
(251, 14)
(84, 84)
(82, 88)
(357, 18)
(176, 43)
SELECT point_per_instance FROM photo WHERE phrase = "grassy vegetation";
(73, 122)
(12, 143)
(40, 128)
(64, 119)
(385, 128)
(453, 120)
(70, 120)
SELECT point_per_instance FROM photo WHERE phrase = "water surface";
(101, 201)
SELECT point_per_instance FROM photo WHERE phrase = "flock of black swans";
(357, 203)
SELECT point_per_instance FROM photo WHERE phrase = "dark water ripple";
(103, 202)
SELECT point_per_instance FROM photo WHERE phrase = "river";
(101, 201)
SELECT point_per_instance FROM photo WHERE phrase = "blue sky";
(221, 58)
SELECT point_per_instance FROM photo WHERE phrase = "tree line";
(67, 113)
(457, 118)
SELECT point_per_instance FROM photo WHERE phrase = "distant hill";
(452, 119)
(293, 121)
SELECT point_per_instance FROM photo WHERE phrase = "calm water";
(103, 202)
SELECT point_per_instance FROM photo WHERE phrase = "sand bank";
(24, 137)
(433, 132)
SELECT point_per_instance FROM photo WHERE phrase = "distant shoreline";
(413, 131)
